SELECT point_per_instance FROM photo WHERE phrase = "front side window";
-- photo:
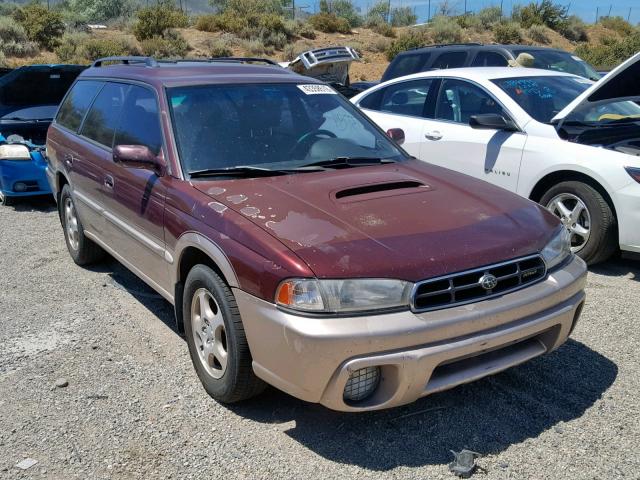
(490, 59)
(459, 100)
(406, 65)
(104, 114)
(75, 105)
(543, 97)
(559, 61)
(275, 126)
(450, 60)
(139, 123)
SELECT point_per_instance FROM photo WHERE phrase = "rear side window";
(406, 65)
(75, 106)
(140, 124)
(450, 60)
(102, 119)
(490, 59)
(404, 98)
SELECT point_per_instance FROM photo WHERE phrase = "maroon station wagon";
(300, 245)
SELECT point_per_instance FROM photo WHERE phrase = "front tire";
(6, 201)
(82, 250)
(216, 338)
(587, 216)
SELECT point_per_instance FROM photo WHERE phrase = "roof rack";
(127, 60)
(441, 45)
(243, 60)
(152, 62)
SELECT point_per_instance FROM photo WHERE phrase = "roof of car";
(487, 73)
(474, 46)
(183, 72)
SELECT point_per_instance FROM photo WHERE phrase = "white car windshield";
(271, 127)
(543, 97)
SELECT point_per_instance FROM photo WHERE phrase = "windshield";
(273, 127)
(545, 96)
(560, 62)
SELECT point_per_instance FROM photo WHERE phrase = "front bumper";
(628, 212)
(32, 173)
(419, 353)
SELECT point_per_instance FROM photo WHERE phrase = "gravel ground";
(134, 408)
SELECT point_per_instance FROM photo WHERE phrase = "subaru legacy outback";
(300, 245)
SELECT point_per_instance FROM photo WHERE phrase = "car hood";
(619, 84)
(408, 220)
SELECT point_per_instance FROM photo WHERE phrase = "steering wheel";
(309, 137)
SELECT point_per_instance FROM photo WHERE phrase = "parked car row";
(555, 138)
(302, 247)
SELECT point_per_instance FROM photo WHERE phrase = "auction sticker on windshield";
(315, 89)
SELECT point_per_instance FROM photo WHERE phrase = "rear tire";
(216, 338)
(587, 216)
(82, 250)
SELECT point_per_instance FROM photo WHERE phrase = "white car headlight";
(336, 296)
(557, 249)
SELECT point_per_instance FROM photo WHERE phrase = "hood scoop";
(377, 190)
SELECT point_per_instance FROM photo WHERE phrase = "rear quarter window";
(450, 60)
(76, 104)
(102, 119)
(406, 65)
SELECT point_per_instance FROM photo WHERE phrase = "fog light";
(19, 187)
(362, 383)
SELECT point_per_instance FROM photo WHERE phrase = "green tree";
(543, 13)
(43, 26)
(155, 21)
(403, 16)
(101, 10)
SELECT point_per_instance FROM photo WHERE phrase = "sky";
(586, 9)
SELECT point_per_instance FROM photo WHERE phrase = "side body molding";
(193, 239)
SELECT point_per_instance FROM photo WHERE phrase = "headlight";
(335, 296)
(14, 152)
(557, 249)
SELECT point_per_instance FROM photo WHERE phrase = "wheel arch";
(61, 181)
(193, 249)
(558, 176)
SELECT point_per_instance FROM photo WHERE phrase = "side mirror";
(138, 156)
(396, 134)
(492, 121)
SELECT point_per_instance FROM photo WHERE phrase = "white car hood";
(620, 84)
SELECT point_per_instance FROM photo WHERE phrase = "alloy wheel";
(71, 224)
(575, 217)
(208, 332)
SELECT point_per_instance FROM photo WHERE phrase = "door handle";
(435, 135)
(68, 159)
(108, 181)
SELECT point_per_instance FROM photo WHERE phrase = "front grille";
(466, 287)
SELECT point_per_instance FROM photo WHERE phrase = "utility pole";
(501, 11)
(429, 14)
(597, 11)
(389, 11)
(293, 9)
(465, 7)
(629, 16)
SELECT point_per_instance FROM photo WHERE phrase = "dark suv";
(478, 55)
(299, 244)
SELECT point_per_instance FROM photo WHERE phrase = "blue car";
(29, 98)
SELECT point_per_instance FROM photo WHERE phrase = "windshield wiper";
(21, 119)
(339, 162)
(240, 171)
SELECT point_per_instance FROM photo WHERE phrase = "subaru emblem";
(488, 281)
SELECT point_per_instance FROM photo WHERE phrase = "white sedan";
(555, 138)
